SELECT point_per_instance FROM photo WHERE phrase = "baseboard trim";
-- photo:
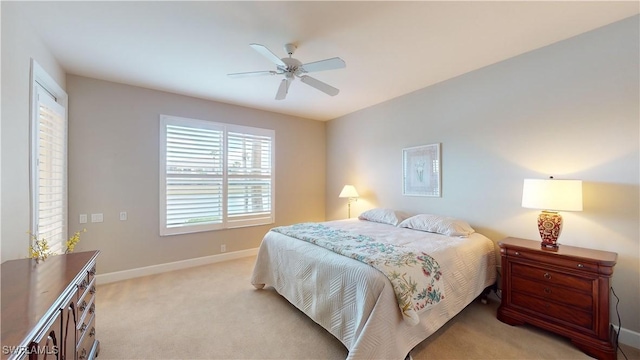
(107, 278)
(628, 337)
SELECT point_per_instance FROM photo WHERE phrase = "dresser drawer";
(86, 330)
(86, 286)
(562, 295)
(86, 343)
(86, 308)
(552, 277)
(565, 313)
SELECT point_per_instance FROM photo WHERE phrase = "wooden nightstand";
(566, 292)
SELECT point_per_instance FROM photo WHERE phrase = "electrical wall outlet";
(223, 248)
(83, 218)
(123, 215)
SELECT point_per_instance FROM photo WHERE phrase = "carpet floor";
(213, 312)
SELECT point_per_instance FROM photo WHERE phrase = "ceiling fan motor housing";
(292, 66)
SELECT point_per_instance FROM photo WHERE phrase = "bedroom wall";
(19, 45)
(570, 110)
(114, 166)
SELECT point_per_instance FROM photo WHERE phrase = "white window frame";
(226, 223)
(43, 85)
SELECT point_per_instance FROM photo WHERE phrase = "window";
(48, 168)
(214, 176)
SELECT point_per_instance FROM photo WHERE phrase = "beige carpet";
(213, 312)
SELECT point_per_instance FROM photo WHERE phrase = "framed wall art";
(421, 171)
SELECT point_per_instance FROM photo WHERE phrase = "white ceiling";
(391, 48)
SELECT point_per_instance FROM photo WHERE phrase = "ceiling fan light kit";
(292, 68)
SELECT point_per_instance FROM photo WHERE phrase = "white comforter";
(355, 302)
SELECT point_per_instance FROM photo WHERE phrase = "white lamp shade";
(349, 191)
(551, 194)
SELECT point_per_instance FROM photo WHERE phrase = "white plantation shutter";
(249, 178)
(49, 174)
(213, 178)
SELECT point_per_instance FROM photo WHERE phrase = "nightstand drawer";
(567, 263)
(547, 308)
(552, 277)
(561, 295)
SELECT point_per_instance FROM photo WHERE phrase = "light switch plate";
(123, 215)
(83, 218)
(96, 218)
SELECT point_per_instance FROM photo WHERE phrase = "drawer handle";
(92, 333)
(83, 354)
(82, 285)
(547, 290)
(580, 266)
(92, 271)
(547, 276)
(83, 306)
(92, 309)
(92, 290)
(517, 253)
(83, 327)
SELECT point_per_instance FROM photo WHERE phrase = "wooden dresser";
(564, 291)
(48, 308)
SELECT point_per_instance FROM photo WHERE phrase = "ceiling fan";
(292, 68)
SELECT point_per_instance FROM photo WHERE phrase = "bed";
(356, 302)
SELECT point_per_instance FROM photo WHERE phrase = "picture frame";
(421, 171)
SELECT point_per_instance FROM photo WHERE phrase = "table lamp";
(349, 191)
(550, 196)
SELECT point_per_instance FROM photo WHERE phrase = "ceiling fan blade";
(252, 73)
(283, 89)
(324, 87)
(327, 64)
(268, 54)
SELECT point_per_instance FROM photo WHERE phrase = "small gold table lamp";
(349, 191)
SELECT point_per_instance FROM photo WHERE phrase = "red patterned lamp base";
(550, 227)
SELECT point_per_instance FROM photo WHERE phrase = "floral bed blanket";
(415, 276)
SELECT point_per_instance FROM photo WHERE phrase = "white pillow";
(438, 224)
(385, 216)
